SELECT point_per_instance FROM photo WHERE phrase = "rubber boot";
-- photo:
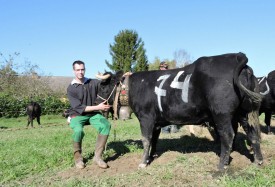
(78, 159)
(99, 148)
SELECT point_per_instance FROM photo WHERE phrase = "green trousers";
(99, 122)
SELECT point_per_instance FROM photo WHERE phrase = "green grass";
(32, 157)
(21, 122)
(27, 152)
(31, 151)
(252, 176)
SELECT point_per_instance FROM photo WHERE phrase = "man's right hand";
(104, 107)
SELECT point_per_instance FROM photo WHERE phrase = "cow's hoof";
(258, 162)
(142, 166)
(222, 167)
(79, 164)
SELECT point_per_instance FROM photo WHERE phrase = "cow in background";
(66, 113)
(221, 90)
(33, 111)
(267, 89)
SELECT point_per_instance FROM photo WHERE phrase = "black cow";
(107, 95)
(33, 111)
(221, 90)
(267, 88)
(66, 113)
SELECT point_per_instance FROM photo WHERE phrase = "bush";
(11, 106)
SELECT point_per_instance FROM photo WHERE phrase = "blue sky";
(54, 33)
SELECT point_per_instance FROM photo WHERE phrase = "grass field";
(43, 157)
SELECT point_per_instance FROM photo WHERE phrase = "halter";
(108, 96)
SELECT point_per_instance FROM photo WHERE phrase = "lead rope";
(109, 95)
(115, 105)
(108, 104)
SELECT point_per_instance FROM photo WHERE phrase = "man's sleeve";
(76, 104)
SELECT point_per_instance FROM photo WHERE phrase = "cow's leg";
(235, 126)
(244, 123)
(29, 121)
(146, 125)
(226, 134)
(155, 138)
(146, 148)
(38, 121)
(267, 121)
(32, 123)
(212, 128)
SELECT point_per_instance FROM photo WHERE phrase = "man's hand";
(102, 106)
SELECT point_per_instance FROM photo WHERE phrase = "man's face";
(79, 71)
(162, 68)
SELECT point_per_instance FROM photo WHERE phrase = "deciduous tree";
(21, 79)
(182, 58)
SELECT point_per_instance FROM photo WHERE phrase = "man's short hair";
(79, 62)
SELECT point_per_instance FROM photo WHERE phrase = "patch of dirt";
(124, 164)
(128, 163)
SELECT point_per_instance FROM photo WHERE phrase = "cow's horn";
(103, 77)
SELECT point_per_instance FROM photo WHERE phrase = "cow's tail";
(242, 61)
(254, 97)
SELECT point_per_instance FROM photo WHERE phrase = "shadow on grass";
(119, 147)
(192, 144)
(184, 144)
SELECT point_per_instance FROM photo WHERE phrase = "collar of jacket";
(76, 82)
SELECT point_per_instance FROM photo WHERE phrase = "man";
(171, 128)
(82, 93)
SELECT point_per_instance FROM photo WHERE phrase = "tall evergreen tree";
(128, 53)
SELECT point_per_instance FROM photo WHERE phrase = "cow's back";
(188, 95)
(34, 109)
(212, 80)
